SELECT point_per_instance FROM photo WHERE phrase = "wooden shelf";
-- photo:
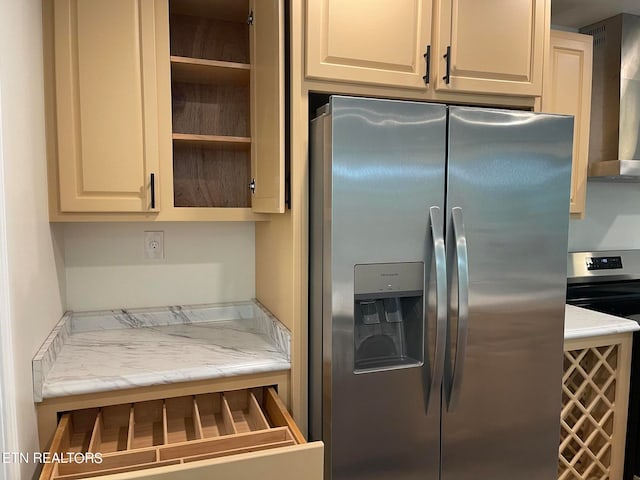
(212, 214)
(197, 70)
(228, 10)
(193, 140)
(211, 74)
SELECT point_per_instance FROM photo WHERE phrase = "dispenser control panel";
(604, 263)
(389, 278)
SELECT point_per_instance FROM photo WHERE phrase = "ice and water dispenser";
(388, 316)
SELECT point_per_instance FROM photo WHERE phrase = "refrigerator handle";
(435, 220)
(463, 307)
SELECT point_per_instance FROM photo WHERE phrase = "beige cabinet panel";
(377, 42)
(496, 46)
(184, 92)
(567, 90)
(267, 105)
(106, 108)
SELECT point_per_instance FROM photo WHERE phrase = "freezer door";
(383, 176)
(508, 196)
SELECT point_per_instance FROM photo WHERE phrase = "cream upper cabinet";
(490, 46)
(381, 42)
(106, 116)
(567, 90)
(165, 110)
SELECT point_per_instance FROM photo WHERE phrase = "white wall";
(612, 220)
(33, 249)
(204, 263)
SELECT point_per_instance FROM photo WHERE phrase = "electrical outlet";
(154, 245)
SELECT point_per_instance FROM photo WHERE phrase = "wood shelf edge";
(176, 214)
(192, 138)
(209, 72)
(210, 214)
(204, 62)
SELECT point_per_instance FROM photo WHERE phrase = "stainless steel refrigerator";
(438, 251)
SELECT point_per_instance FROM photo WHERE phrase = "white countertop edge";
(159, 378)
(584, 323)
(46, 354)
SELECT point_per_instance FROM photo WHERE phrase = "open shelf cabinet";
(216, 113)
(210, 100)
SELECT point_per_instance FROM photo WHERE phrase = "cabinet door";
(496, 46)
(267, 105)
(567, 90)
(378, 42)
(106, 104)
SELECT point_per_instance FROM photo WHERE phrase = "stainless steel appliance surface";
(437, 288)
(609, 282)
(614, 144)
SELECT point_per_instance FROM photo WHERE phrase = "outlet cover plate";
(154, 245)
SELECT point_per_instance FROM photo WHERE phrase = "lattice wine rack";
(594, 408)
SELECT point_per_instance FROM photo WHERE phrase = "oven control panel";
(604, 263)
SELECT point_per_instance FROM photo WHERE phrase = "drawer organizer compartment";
(138, 436)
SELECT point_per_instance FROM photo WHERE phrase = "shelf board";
(173, 214)
(229, 10)
(197, 70)
(211, 214)
(188, 139)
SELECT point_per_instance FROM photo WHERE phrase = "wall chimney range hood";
(614, 143)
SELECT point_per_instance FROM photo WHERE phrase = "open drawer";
(236, 434)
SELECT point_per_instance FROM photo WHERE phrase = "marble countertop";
(101, 351)
(581, 323)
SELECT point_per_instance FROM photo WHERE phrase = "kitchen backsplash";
(612, 220)
(215, 262)
(204, 263)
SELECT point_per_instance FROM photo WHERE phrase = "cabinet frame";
(282, 243)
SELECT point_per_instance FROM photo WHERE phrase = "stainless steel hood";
(614, 143)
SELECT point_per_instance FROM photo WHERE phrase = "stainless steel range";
(609, 282)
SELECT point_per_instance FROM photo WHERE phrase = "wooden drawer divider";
(154, 433)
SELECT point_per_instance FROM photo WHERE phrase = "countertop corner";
(581, 323)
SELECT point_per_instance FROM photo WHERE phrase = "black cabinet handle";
(447, 57)
(153, 190)
(427, 61)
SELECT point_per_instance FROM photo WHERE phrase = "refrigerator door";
(384, 171)
(508, 187)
